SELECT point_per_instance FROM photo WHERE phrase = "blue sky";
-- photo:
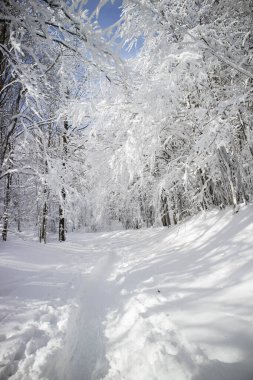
(109, 14)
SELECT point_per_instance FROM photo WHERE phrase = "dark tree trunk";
(43, 230)
(43, 227)
(62, 222)
(165, 211)
(62, 234)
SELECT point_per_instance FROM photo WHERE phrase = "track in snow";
(83, 356)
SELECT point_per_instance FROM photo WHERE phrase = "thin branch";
(9, 84)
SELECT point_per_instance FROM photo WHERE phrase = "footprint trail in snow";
(84, 352)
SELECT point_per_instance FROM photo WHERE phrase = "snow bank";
(186, 305)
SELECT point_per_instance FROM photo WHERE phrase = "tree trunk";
(165, 211)
(225, 160)
(7, 200)
(62, 222)
(43, 229)
(62, 234)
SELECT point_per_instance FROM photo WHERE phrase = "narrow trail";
(83, 355)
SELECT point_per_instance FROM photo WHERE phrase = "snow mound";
(35, 333)
(147, 345)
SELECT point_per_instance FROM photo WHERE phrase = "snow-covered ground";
(149, 304)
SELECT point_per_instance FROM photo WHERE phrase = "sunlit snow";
(147, 304)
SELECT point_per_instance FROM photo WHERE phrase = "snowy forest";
(140, 123)
(126, 145)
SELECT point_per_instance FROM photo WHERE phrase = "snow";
(149, 304)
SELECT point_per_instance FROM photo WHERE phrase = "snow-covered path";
(84, 351)
(153, 304)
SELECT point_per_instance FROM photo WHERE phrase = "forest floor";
(147, 304)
